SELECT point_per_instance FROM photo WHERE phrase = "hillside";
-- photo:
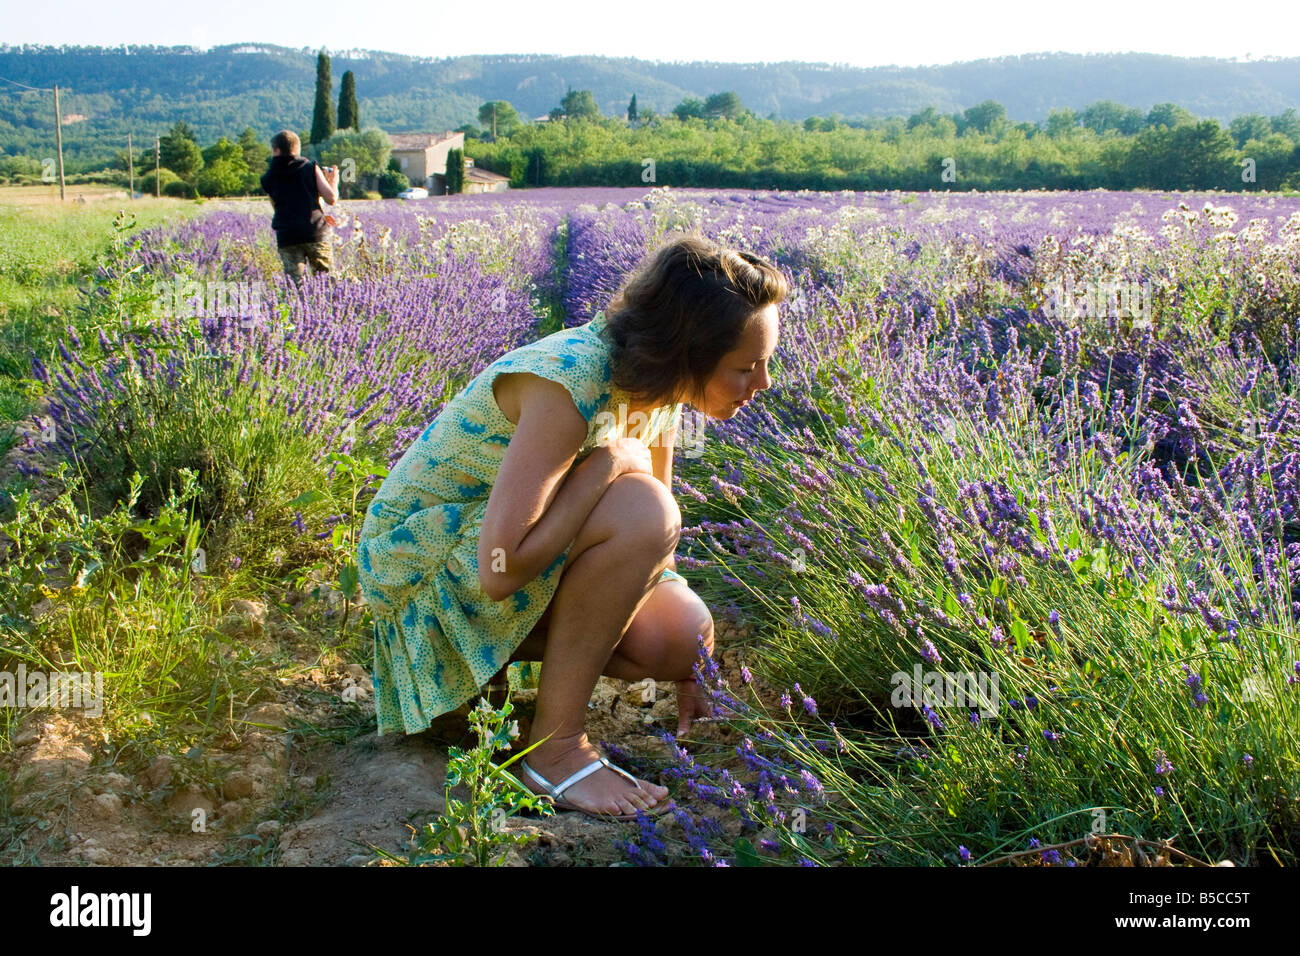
(226, 88)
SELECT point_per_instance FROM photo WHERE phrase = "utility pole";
(130, 167)
(157, 187)
(58, 137)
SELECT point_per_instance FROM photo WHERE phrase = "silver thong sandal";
(556, 791)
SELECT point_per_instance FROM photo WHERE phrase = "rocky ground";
(308, 782)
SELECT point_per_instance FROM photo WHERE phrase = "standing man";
(296, 185)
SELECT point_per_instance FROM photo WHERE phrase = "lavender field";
(1001, 564)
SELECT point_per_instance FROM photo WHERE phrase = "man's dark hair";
(286, 141)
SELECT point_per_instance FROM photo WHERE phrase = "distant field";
(47, 193)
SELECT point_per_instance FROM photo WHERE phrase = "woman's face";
(742, 373)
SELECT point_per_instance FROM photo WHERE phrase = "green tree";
(224, 149)
(721, 105)
(224, 171)
(1105, 115)
(221, 177)
(349, 116)
(256, 153)
(1061, 122)
(631, 110)
(357, 155)
(455, 170)
(322, 118)
(1288, 124)
(392, 182)
(1274, 158)
(1188, 156)
(689, 107)
(580, 104)
(499, 117)
(179, 152)
(926, 117)
(537, 169)
(1248, 127)
(180, 189)
(986, 117)
(1169, 115)
(165, 175)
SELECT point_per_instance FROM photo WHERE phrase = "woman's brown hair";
(683, 310)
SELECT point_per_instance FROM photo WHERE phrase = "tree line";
(717, 142)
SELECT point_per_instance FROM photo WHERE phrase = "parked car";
(415, 192)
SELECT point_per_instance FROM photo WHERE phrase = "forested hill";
(268, 87)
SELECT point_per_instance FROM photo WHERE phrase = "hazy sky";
(853, 32)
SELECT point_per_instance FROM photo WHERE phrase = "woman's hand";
(691, 705)
(629, 455)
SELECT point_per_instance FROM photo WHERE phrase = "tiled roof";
(477, 175)
(420, 140)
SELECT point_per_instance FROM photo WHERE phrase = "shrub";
(392, 182)
(181, 190)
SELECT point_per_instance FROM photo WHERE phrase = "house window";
(403, 161)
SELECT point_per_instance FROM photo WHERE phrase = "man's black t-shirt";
(291, 183)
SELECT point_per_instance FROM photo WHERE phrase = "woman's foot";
(601, 792)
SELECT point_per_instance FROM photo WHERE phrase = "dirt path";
(309, 783)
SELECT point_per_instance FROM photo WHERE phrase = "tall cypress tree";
(631, 109)
(455, 170)
(349, 118)
(322, 119)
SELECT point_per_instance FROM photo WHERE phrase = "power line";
(38, 89)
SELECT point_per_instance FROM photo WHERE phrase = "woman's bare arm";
(534, 512)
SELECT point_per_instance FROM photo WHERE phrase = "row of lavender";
(1102, 513)
(417, 304)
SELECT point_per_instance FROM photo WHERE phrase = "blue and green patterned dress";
(438, 637)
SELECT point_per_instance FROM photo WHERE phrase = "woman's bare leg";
(660, 643)
(612, 569)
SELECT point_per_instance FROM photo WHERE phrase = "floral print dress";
(438, 637)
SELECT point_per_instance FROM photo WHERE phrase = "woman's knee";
(695, 622)
(644, 510)
(681, 626)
